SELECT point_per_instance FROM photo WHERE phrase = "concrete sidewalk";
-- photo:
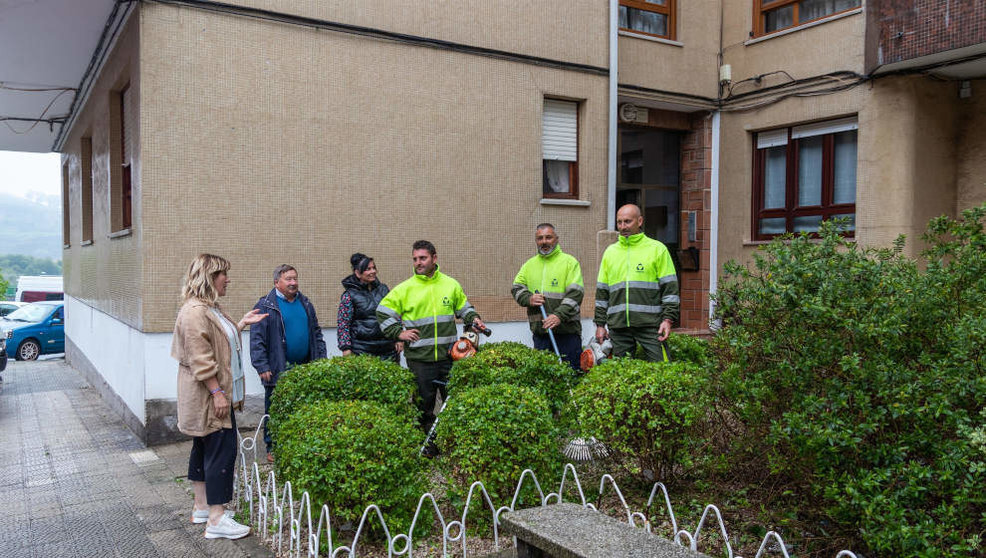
(76, 482)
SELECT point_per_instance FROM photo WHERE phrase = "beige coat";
(202, 350)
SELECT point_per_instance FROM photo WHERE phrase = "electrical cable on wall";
(50, 121)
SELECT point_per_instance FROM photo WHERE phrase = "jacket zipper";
(434, 318)
(626, 284)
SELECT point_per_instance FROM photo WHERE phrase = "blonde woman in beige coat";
(211, 386)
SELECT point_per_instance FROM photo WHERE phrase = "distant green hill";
(31, 228)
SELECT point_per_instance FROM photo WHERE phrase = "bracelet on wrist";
(217, 390)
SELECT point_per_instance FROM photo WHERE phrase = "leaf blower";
(595, 353)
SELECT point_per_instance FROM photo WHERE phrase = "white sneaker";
(227, 528)
(201, 516)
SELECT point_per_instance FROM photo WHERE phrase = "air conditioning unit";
(630, 112)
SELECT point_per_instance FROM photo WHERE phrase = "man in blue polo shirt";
(289, 335)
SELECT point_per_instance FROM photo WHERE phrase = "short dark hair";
(424, 245)
(545, 226)
(281, 270)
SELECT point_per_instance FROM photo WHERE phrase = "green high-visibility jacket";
(558, 276)
(637, 285)
(430, 305)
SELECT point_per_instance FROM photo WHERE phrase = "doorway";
(650, 176)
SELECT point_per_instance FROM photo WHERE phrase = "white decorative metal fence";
(274, 512)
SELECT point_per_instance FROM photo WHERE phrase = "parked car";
(8, 306)
(3, 351)
(35, 329)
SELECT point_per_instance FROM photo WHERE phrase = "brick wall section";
(913, 28)
(696, 195)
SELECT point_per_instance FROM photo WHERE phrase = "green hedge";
(649, 414)
(513, 363)
(492, 434)
(856, 378)
(350, 454)
(356, 378)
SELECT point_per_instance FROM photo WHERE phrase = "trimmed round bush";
(350, 454)
(513, 363)
(355, 378)
(647, 413)
(491, 434)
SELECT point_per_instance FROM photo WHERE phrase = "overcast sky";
(21, 173)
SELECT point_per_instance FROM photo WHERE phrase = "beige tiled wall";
(691, 67)
(106, 274)
(554, 29)
(271, 143)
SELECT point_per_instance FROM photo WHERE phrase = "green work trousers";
(625, 341)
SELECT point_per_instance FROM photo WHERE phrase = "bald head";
(629, 220)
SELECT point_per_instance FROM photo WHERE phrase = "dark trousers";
(432, 377)
(213, 461)
(569, 345)
(268, 391)
(625, 341)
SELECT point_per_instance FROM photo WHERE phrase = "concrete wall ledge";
(569, 530)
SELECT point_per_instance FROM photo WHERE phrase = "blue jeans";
(569, 345)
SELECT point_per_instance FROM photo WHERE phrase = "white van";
(33, 288)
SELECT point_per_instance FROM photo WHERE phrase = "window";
(775, 15)
(804, 175)
(121, 140)
(85, 159)
(66, 220)
(651, 17)
(560, 149)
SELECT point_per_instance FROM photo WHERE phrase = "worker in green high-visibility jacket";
(552, 280)
(421, 312)
(637, 290)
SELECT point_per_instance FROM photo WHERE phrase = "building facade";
(302, 131)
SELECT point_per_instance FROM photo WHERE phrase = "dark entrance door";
(649, 176)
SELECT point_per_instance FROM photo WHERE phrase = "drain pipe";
(714, 218)
(614, 22)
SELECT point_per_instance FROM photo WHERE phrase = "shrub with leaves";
(513, 363)
(857, 378)
(491, 434)
(357, 378)
(350, 454)
(648, 414)
(683, 348)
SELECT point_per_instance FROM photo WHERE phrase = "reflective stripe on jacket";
(637, 284)
(558, 277)
(430, 305)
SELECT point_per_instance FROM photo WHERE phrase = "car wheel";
(29, 350)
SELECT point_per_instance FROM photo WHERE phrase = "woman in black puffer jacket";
(358, 330)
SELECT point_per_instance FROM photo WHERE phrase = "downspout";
(614, 22)
(714, 185)
(714, 218)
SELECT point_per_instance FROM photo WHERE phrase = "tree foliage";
(861, 373)
(15, 265)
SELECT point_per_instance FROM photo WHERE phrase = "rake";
(577, 449)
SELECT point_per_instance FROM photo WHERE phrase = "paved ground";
(76, 482)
